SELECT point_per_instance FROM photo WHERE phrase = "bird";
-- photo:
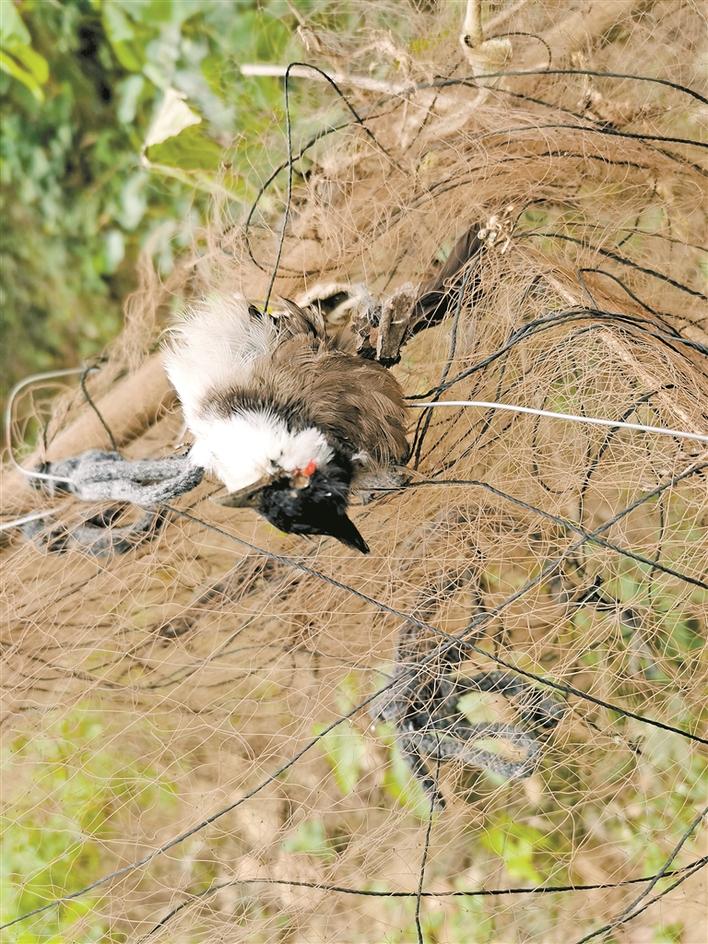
(286, 417)
(292, 416)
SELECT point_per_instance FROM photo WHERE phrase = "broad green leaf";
(114, 250)
(348, 692)
(191, 150)
(516, 844)
(311, 839)
(171, 118)
(176, 145)
(13, 31)
(32, 61)
(11, 67)
(149, 11)
(122, 37)
(399, 781)
(133, 204)
(128, 95)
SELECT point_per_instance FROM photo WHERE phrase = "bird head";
(311, 500)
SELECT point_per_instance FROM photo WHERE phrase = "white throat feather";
(241, 448)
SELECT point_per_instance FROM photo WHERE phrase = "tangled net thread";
(571, 559)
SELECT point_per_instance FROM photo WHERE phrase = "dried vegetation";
(216, 653)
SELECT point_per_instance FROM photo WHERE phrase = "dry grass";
(213, 663)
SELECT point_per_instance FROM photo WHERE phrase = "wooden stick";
(340, 78)
(128, 408)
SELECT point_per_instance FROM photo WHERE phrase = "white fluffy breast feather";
(214, 346)
(242, 448)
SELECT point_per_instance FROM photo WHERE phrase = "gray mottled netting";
(99, 476)
(96, 475)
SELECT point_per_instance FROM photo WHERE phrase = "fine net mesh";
(170, 714)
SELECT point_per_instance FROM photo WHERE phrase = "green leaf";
(11, 67)
(128, 95)
(311, 839)
(516, 844)
(344, 749)
(190, 151)
(399, 781)
(33, 62)
(149, 11)
(177, 145)
(171, 118)
(113, 250)
(133, 201)
(17, 58)
(122, 37)
(13, 31)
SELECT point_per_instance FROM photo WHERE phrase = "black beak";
(344, 530)
(248, 497)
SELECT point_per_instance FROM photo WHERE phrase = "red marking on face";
(310, 468)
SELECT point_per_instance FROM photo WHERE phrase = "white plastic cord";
(482, 404)
(33, 378)
(591, 420)
(26, 519)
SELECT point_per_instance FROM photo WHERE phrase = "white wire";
(483, 404)
(25, 519)
(592, 420)
(33, 378)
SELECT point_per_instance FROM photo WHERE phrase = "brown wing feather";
(294, 320)
(355, 401)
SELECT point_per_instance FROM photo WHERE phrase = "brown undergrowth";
(216, 654)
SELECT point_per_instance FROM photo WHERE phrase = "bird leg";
(382, 329)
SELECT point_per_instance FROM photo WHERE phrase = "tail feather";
(441, 289)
